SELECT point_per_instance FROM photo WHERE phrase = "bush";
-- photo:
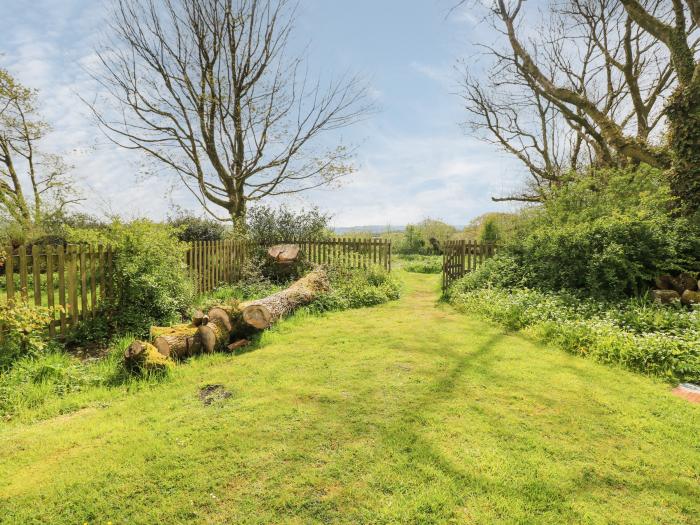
(423, 263)
(608, 233)
(356, 288)
(22, 331)
(502, 271)
(190, 228)
(634, 333)
(265, 224)
(151, 285)
(609, 256)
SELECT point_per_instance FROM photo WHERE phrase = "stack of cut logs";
(225, 327)
(683, 288)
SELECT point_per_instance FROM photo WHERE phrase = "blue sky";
(414, 160)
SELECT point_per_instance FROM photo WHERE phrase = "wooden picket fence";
(460, 257)
(353, 253)
(70, 280)
(213, 263)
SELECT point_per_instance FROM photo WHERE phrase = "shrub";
(22, 331)
(356, 288)
(265, 224)
(190, 228)
(633, 333)
(502, 270)
(151, 285)
(423, 264)
(609, 256)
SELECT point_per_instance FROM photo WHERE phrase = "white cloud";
(403, 176)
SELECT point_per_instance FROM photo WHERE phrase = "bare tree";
(32, 183)
(587, 89)
(675, 27)
(211, 89)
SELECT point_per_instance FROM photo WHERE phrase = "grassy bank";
(408, 412)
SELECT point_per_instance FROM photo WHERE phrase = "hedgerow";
(634, 333)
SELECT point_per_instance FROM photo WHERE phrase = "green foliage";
(191, 228)
(633, 333)
(411, 242)
(22, 331)
(422, 263)
(41, 380)
(490, 232)
(609, 256)
(502, 271)
(266, 224)
(416, 238)
(505, 223)
(609, 233)
(356, 288)
(151, 285)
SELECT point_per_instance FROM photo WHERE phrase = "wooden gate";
(460, 257)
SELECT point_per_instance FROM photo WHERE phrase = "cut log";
(690, 297)
(665, 296)
(145, 358)
(262, 313)
(238, 344)
(284, 253)
(174, 341)
(664, 282)
(199, 318)
(214, 335)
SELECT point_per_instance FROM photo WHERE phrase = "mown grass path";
(404, 413)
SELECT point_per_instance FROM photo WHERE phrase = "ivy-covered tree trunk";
(684, 125)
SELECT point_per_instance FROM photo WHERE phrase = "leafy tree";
(490, 231)
(191, 228)
(32, 184)
(282, 224)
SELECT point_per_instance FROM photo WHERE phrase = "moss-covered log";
(174, 341)
(262, 313)
(215, 334)
(145, 358)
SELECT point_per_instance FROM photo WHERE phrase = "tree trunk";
(174, 341)
(284, 253)
(262, 313)
(683, 112)
(145, 358)
(215, 334)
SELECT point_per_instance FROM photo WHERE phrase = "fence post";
(62, 287)
(49, 288)
(9, 274)
(23, 292)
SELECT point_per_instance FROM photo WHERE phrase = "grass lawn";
(403, 413)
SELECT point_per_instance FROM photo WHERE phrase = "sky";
(413, 160)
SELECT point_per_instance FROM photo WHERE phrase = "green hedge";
(635, 333)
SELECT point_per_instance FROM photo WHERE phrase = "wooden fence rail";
(213, 263)
(71, 280)
(75, 278)
(460, 257)
(353, 253)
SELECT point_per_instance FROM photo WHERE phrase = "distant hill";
(372, 228)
